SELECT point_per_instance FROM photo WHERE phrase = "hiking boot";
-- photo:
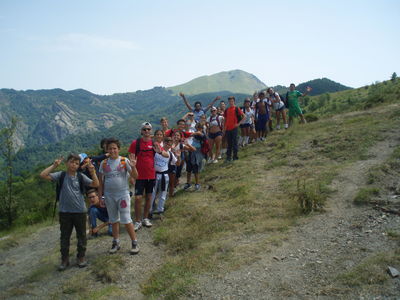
(64, 265)
(235, 158)
(135, 248)
(186, 186)
(146, 222)
(82, 262)
(114, 247)
(137, 226)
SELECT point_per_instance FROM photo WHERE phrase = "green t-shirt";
(293, 97)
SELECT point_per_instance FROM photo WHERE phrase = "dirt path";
(325, 245)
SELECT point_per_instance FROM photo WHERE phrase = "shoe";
(278, 127)
(197, 187)
(114, 248)
(235, 158)
(82, 262)
(228, 159)
(158, 212)
(146, 222)
(286, 126)
(186, 186)
(137, 226)
(215, 161)
(135, 248)
(64, 265)
(219, 157)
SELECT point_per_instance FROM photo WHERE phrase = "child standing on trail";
(115, 172)
(72, 207)
(294, 107)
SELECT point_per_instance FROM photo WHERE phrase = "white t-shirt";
(213, 121)
(161, 162)
(276, 105)
(248, 115)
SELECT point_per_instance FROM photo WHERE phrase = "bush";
(311, 118)
(365, 195)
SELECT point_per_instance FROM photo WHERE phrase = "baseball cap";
(146, 124)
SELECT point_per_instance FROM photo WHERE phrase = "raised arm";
(45, 174)
(308, 89)
(132, 162)
(212, 103)
(95, 182)
(186, 102)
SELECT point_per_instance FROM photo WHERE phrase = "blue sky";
(120, 46)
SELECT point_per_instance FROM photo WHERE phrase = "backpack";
(61, 181)
(205, 147)
(286, 100)
(138, 147)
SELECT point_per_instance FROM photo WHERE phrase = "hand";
(90, 166)
(132, 160)
(309, 89)
(217, 98)
(157, 147)
(58, 161)
(181, 94)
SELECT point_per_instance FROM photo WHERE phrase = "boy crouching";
(72, 208)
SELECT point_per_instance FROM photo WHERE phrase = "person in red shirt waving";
(144, 149)
(233, 118)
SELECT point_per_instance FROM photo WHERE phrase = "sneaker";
(146, 222)
(286, 126)
(219, 157)
(82, 262)
(137, 226)
(197, 187)
(64, 265)
(278, 127)
(114, 247)
(215, 161)
(135, 248)
(186, 186)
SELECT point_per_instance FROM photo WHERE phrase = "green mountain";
(319, 86)
(235, 81)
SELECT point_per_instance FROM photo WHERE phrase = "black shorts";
(245, 125)
(214, 135)
(142, 185)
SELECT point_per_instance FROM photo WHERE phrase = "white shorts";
(119, 207)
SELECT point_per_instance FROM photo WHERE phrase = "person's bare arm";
(308, 89)
(132, 162)
(45, 174)
(95, 182)
(185, 101)
(212, 103)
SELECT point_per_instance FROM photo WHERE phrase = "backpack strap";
(59, 185)
(137, 146)
(81, 183)
(122, 161)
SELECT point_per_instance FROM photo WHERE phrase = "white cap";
(146, 124)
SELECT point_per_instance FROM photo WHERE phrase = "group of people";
(155, 164)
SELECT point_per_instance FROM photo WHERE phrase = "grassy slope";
(235, 81)
(254, 201)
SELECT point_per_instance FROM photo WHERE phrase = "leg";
(115, 230)
(147, 206)
(80, 228)
(171, 186)
(235, 146)
(66, 226)
(163, 196)
(218, 142)
(138, 208)
(211, 141)
(131, 231)
(229, 139)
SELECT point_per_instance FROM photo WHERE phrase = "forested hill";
(319, 86)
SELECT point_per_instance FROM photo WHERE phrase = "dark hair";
(197, 102)
(103, 142)
(167, 139)
(269, 89)
(199, 125)
(113, 141)
(261, 94)
(180, 120)
(231, 97)
(222, 101)
(163, 119)
(92, 191)
(177, 131)
(157, 131)
(293, 84)
(73, 157)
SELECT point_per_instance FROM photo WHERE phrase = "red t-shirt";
(231, 118)
(170, 133)
(145, 159)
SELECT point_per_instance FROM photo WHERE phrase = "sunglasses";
(146, 129)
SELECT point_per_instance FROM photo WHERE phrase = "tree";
(7, 151)
(394, 76)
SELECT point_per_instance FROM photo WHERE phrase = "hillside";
(246, 234)
(235, 81)
(319, 86)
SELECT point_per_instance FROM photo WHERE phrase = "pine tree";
(394, 77)
(7, 151)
